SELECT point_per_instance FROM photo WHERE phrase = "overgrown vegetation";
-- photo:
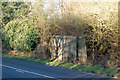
(21, 27)
(99, 26)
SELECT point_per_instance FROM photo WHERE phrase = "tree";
(13, 10)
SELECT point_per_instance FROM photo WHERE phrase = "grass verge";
(87, 68)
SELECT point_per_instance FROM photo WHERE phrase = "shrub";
(12, 10)
(21, 35)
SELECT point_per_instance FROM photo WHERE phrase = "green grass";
(87, 68)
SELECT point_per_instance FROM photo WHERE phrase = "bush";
(21, 35)
(12, 10)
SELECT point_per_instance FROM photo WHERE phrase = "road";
(14, 68)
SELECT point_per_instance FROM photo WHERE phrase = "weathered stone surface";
(69, 48)
(82, 52)
(64, 48)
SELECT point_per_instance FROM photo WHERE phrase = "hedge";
(21, 35)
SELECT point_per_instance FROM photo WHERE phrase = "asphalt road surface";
(14, 68)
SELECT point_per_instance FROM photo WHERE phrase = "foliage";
(99, 26)
(21, 35)
(41, 20)
(100, 31)
(12, 10)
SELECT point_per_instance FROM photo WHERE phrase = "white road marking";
(20, 71)
(25, 71)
